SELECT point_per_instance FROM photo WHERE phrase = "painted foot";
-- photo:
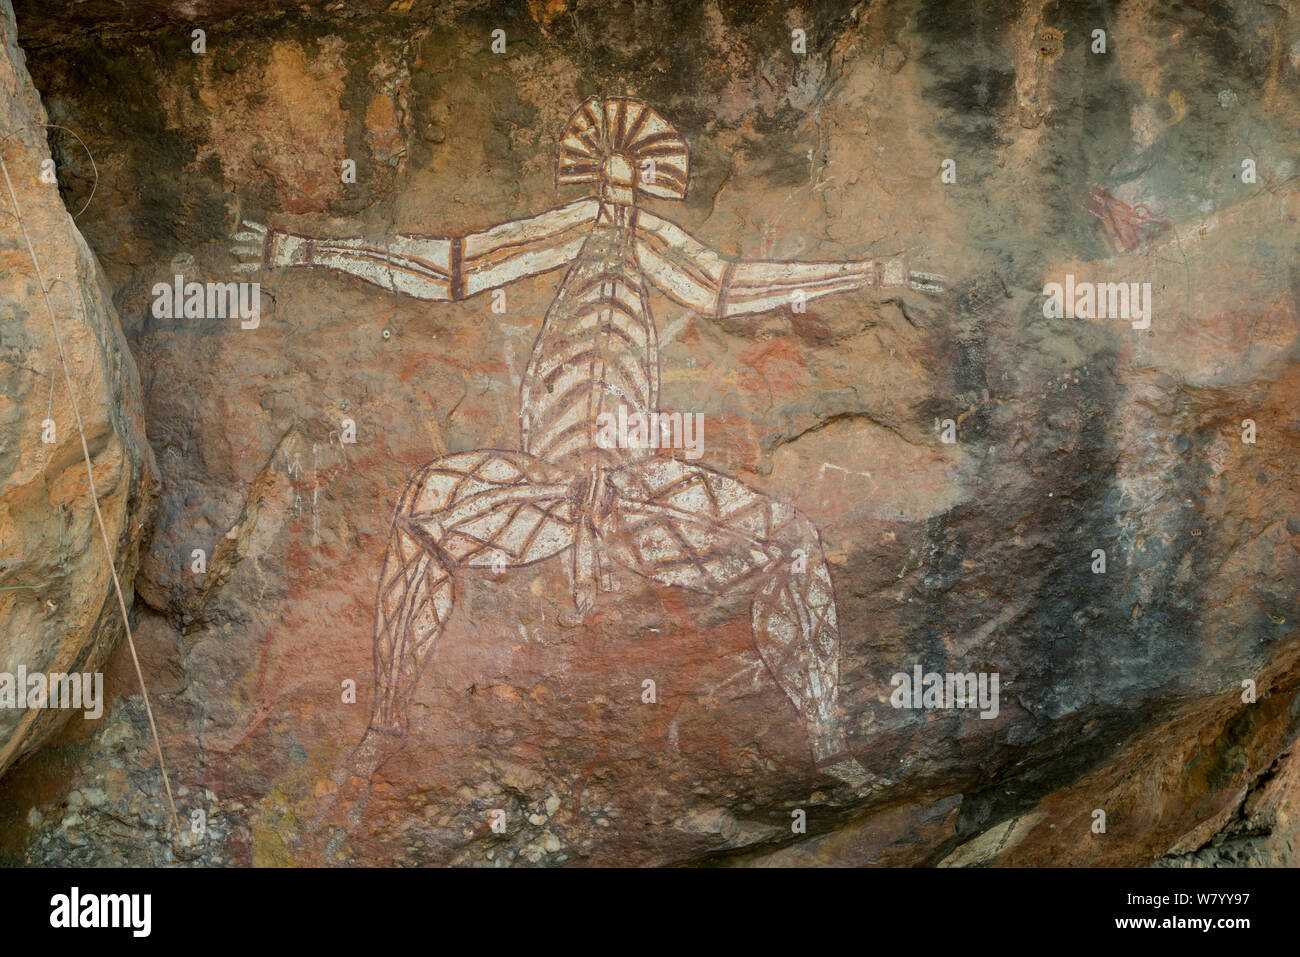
(846, 768)
(341, 807)
(832, 756)
(375, 747)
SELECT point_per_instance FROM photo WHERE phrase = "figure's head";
(625, 146)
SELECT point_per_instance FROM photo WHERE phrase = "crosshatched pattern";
(565, 492)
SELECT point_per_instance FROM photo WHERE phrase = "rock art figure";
(565, 493)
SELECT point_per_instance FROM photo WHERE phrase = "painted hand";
(926, 282)
(248, 245)
(898, 273)
(255, 242)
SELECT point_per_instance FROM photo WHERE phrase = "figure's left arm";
(686, 270)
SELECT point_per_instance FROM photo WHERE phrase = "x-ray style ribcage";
(565, 494)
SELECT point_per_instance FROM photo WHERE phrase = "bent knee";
(445, 481)
(794, 531)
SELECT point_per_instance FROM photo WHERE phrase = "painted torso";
(597, 351)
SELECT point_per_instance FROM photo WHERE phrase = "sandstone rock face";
(964, 458)
(58, 613)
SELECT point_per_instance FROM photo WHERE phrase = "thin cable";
(94, 498)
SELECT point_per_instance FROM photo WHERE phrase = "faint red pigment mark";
(777, 364)
(1125, 225)
(302, 564)
(677, 610)
(416, 362)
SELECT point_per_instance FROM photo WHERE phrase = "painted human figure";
(565, 492)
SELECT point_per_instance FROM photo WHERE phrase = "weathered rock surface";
(58, 613)
(1121, 691)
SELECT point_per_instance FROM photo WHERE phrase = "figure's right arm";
(418, 266)
(431, 267)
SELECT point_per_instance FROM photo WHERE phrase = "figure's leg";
(415, 598)
(686, 525)
(797, 633)
(469, 510)
(473, 509)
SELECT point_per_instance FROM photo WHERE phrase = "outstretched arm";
(686, 270)
(432, 267)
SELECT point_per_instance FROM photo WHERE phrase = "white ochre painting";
(568, 494)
